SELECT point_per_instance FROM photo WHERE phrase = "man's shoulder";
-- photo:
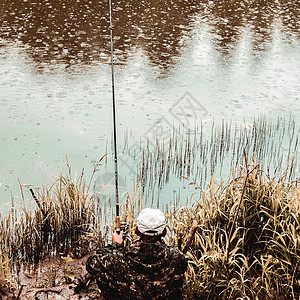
(115, 247)
(159, 250)
(159, 245)
(140, 250)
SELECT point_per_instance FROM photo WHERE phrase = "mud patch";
(53, 278)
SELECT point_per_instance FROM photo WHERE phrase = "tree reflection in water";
(75, 32)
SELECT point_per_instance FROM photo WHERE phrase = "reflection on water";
(237, 59)
(228, 18)
(76, 31)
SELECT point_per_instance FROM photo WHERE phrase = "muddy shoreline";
(52, 278)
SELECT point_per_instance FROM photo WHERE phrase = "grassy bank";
(247, 244)
(60, 220)
(248, 241)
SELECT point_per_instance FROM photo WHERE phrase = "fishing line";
(114, 124)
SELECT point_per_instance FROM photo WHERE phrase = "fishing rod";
(114, 125)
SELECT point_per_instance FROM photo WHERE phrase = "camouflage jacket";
(139, 271)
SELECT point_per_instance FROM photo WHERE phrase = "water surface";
(228, 60)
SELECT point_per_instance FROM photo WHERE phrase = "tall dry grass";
(62, 220)
(253, 256)
(247, 244)
(6, 281)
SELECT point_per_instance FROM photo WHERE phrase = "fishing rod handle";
(118, 225)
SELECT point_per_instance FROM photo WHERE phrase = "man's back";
(144, 270)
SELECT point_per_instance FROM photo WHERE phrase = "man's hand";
(195, 224)
(118, 238)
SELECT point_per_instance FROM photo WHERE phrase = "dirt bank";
(53, 278)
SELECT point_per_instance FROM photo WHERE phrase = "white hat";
(151, 222)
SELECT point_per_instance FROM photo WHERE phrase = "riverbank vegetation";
(247, 244)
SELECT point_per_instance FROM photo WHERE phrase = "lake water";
(176, 62)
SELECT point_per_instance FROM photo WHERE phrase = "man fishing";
(146, 269)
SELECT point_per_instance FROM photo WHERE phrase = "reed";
(260, 259)
(247, 244)
(62, 220)
(211, 150)
(6, 281)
